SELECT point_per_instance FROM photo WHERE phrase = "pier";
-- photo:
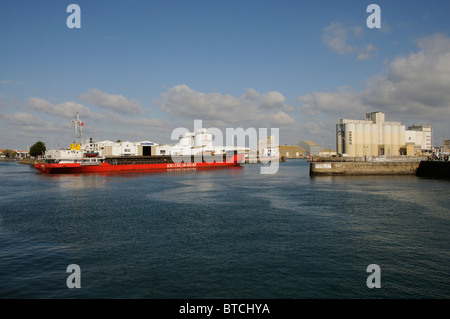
(404, 166)
(363, 168)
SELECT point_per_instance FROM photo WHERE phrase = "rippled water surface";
(222, 233)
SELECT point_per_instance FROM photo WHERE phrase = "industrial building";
(446, 146)
(311, 148)
(375, 136)
(109, 148)
(419, 136)
(292, 151)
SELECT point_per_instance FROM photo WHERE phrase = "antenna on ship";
(78, 125)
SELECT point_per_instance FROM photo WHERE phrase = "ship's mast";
(78, 125)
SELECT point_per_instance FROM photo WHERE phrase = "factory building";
(375, 136)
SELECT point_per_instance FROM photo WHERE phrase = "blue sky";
(136, 70)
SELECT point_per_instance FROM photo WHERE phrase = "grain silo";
(359, 139)
(401, 136)
(387, 139)
(394, 140)
(366, 140)
(349, 139)
(374, 139)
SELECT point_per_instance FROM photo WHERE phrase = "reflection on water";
(427, 196)
(73, 181)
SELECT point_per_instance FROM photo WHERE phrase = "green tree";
(9, 153)
(37, 149)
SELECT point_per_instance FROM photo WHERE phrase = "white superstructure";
(64, 156)
(196, 143)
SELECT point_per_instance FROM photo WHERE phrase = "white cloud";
(368, 52)
(272, 100)
(22, 119)
(135, 129)
(65, 109)
(315, 128)
(338, 38)
(416, 86)
(335, 37)
(141, 122)
(22, 129)
(251, 109)
(344, 101)
(117, 103)
(251, 94)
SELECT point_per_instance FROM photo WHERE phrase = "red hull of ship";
(64, 168)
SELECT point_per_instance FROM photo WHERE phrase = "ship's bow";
(42, 167)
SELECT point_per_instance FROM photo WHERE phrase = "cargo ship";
(133, 163)
(83, 159)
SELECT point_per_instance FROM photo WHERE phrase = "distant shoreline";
(26, 161)
(4, 159)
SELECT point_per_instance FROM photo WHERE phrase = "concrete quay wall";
(363, 168)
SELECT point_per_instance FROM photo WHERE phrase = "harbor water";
(223, 233)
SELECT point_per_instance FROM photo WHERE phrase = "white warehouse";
(109, 148)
